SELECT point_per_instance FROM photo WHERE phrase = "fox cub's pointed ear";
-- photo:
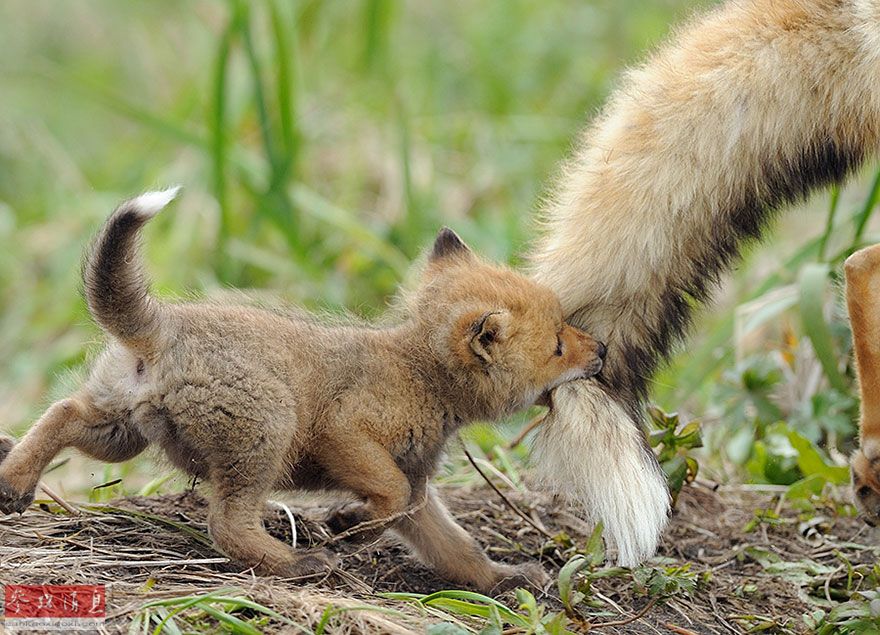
(448, 244)
(485, 333)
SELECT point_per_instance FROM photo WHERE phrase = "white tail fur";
(590, 452)
(151, 203)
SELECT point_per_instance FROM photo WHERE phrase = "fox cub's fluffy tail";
(116, 288)
(752, 107)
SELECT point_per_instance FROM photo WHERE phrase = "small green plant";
(530, 618)
(860, 614)
(664, 582)
(673, 443)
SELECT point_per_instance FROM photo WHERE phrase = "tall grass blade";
(812, 283)
(829, 220)
(166, 624)
(867, 210)
(259, 91)
(219, 142)
(232, 623)
(377, 19)
(285, 55)
(313, 204)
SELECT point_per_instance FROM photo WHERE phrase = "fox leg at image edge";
(862, 271)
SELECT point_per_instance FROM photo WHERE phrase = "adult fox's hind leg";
(862, 271)
(71, 422)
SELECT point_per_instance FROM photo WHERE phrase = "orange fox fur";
(862, 271)
(750, 107)
(254, 401)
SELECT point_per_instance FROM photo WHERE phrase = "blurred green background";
(322, 144)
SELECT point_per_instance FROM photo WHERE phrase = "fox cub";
(862, 271)
(254, 401)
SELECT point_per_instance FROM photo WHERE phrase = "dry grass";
(146, 549)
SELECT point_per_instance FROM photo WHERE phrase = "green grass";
(203, 611)
(322, 144)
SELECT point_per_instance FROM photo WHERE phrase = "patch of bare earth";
(149, 548)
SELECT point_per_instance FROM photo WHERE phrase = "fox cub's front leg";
(415, 512)
(365, 468)
(862, 271)
(447, 547)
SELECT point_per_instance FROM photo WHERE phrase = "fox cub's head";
(500, 335)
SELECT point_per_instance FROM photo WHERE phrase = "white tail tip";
(149, 203)
(591, 452)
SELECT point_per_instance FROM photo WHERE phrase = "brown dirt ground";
(149, 548)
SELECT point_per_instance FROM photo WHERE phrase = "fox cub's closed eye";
(558, 346)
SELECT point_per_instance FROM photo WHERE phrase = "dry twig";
(504, 498)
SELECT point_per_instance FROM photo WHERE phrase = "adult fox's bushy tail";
(751, 107)
(116, 288)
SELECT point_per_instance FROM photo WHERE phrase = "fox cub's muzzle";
(581, 351)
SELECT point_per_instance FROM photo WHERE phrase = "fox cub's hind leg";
(863, 302)
(235, 522)
(416, 513)
(242, 474)
(71, 422)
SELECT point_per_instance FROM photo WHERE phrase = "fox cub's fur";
(862, 271)
(750, 107)
(253, 401)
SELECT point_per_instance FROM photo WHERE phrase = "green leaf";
(526, 601)
(564, 582)
(806, 488)
(676, 472)
(810, 460)
(595, 547)
(812, 283)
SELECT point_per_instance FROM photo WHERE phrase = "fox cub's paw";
(348, 516)
(530, 574)
(11, 501)
(309, 563)
(866, 484)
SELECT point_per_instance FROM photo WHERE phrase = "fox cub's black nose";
(601, 350)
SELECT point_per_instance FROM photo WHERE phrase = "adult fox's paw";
(865, 470)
